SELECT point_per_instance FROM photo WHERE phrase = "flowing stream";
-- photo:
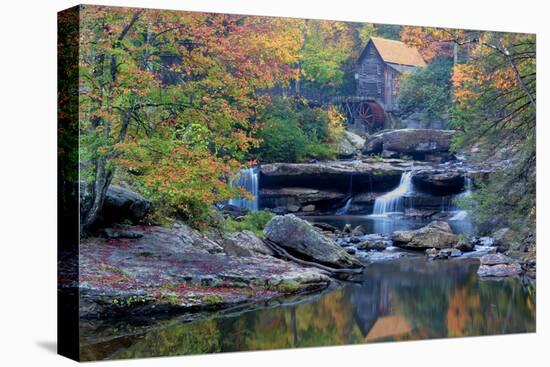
(405, 299)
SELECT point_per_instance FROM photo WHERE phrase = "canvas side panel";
(67, 183)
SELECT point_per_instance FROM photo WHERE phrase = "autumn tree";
(172, 97)
(494, 94)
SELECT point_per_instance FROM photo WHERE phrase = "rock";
(308, 208)
(234, 211)
(415, 142)
(506, 239)
(350, 145)
(479, 177)
(498, 265)
(332, 175)
(356, 140)
(376, 245)
(437, 235)
(176, 270)
(115, 233)
(354, 239)
(495, 259)
(431, 252)
(350, 250)
(500, 270)
(389, 154)
(307, 198)
(292, 208)
(373, 145)
(419, 213)
(245, 243)
(358, 231)
(122, 204)
(453, 252)
(435, 254)
(439, 182)
(326, 227)
(300, 237)
(279, 210)
(347, 228)
(374, 242)
(483, 241)
(464, 245)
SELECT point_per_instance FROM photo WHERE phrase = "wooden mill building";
(378, 72)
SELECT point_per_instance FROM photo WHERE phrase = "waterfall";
(463, 214)
(345, 208)
(247, 178)
(392, 201)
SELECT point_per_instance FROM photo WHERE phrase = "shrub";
(252, 221)
(428, 89)
(295, 132)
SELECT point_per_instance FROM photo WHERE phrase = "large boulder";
(437, 234)
(350, 145)
(301, 238)
(245, 243)
(124, 205)
(440, 182)
(418, 143)
(498, 265)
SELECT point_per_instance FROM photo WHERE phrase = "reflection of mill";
(396, 300)
(373, 313)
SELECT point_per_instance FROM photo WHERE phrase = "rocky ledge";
(148, 270)
(498, 265)
(422, 144)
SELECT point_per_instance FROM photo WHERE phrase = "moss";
(212, 299)
(169, 297)
(288, 286)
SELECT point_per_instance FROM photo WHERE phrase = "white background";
(28, 182)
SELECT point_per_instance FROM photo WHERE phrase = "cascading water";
(462, 214)
(392, 201)
(345, 208)
(247, 178)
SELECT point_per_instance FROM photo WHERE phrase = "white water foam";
(391, 202)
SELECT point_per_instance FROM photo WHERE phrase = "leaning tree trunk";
(99, 190)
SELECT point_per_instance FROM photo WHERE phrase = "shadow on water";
(403, 300)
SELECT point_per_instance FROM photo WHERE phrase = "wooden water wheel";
(370, 114)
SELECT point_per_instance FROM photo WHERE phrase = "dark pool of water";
(408, 299)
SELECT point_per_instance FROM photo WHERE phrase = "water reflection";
(409, 299)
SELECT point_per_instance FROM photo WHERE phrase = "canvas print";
(235, 183)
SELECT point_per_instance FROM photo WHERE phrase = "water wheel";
(370, 114)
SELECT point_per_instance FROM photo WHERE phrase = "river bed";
(405, 299)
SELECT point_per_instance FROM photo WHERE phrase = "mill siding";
(379, 69)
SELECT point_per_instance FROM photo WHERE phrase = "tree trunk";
(99, 190)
